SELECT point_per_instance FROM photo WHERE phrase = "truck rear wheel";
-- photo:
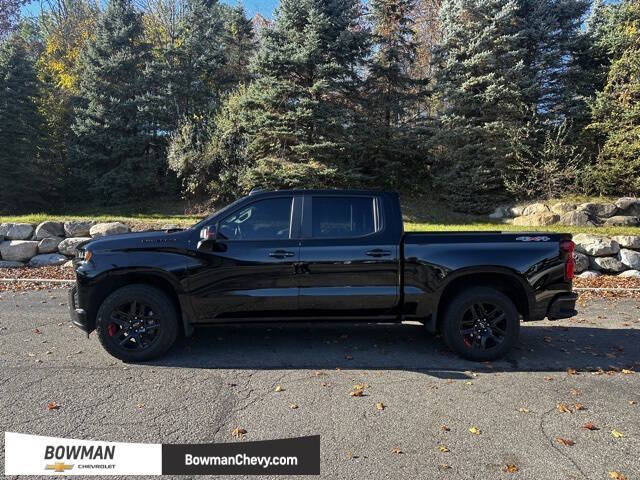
(137, 323)
(481, 324)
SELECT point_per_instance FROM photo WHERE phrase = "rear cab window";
(344, 217)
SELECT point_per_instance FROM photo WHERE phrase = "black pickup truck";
(319, 255)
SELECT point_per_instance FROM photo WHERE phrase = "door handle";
(281, 254)
(377, 252)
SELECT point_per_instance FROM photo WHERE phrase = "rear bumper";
(78, 315)
(563, 306)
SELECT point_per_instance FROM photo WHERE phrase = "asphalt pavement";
(226, 377)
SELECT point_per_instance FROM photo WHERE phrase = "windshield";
(206, 220)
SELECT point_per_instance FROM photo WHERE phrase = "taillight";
(568, 247)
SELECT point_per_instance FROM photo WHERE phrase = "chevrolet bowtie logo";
(59, 467)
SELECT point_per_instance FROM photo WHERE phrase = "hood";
(138, 240)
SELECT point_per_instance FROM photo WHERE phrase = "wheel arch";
(104, 285)
(504, 280)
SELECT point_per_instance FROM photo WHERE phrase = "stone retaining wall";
(54, 243)
(49, 243)
(624, 212)
(598, 254)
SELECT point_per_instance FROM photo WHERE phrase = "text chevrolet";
(319, 255)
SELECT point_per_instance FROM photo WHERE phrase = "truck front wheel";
(137, 323)
(481, 324)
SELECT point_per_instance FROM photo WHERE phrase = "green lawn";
(420, 214)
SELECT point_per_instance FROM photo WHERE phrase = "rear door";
(349, 260)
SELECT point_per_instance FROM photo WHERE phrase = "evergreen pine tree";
(21, 180)
(301, 116)
(616, 110)
(481, 85)
(394, 150)
(239, 44)
(110, 150)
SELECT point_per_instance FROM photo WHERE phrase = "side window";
(262, 220)
(341, 217)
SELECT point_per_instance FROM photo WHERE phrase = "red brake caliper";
(112, 329)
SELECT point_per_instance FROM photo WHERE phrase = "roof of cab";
(257, 192)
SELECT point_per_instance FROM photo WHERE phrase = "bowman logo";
(77, 452)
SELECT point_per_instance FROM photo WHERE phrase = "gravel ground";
(226, 377)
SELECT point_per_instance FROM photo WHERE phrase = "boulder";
(622, 221)
(104, 229)
(605, 210)
(581, 262)
(577, 218)
(589, 274)
(562, 207)
(7, 264)
(629, 258)
(499, 212)
(78, 228)
(47, 259)
(516, 211)
(537, 219)
(535, 208)
(49, 245)
(18, 250)
(596, 245)
(19, 231)
(589, 207)
(629, 205)
(606, 264)
(630, 273)
(49, 229)
(68, 245)
(628, 241)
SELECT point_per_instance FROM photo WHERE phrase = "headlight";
(87, 255)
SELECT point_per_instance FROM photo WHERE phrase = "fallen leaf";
(279, 388)
(293, 406)
(523, 410)
(617, 476)
(443, 448)
(53, 406)
(565, 441)
(444, 428)
(632, 402)
(238, 432)
(563, 408)
(396, 450)
(469, 382)
(380, 406)
(617, 434)
(357, 393)
(579, 406)
(548, 379)
(575, 392)
(510, 468)
(475, 430)
(627, 372)
(590, 426)
(572, 371)
(37, 331)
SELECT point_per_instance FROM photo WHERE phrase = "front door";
(251, 270)
(348, 260)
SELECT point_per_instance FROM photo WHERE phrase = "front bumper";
(563, 306)
(78, 315)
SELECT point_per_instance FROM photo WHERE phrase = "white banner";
(37, 455)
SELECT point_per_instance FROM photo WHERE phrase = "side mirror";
(207, 238)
